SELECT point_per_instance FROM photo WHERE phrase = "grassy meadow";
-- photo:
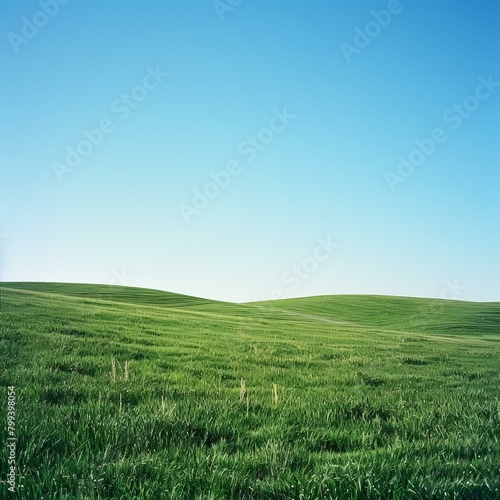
(125, 393)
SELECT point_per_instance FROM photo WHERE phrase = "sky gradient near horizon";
(250, 151)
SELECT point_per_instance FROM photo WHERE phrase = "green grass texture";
(127, 393)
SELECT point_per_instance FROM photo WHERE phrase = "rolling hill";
(128, 295)
(398, 313)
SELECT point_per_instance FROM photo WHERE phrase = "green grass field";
(128, 393)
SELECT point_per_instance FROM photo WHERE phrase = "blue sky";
(306, 107)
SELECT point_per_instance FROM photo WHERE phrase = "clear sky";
(354, 146)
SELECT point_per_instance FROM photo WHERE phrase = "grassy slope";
(130, 295)
(398, 313)
(389, 405)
